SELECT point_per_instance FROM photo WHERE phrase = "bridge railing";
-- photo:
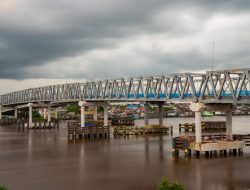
(233, 85)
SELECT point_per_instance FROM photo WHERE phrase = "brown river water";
(47, 160)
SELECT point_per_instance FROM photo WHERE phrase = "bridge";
(231, 86)
(218, 90)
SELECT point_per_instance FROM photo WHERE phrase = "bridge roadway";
(213, 90)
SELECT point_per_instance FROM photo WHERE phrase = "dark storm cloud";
(34, 33)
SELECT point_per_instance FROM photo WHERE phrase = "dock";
(37, 124)
(210, 145)
(219, 126)
(8, 122)
(122, 121)
(149, 129)
(76, 131)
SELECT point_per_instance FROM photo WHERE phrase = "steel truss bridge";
(227, 86)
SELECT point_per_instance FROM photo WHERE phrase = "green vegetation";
(167, 185)
(150, 108)
(36, 116)
(100, 109)
(73, 108)
(206, 113)
(2, 187)
(122, 107)
(167, 108)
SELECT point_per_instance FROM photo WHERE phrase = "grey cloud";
(44, 31)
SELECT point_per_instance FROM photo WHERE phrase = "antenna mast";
(213, 57)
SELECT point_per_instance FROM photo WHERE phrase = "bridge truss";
(228, 86)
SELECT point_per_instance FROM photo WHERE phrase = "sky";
(51, 42)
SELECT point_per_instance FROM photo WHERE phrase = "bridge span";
(213, 90)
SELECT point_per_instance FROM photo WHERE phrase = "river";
(47, 160)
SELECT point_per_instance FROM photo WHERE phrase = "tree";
(100, 109)
(73, 108)
(36, 115)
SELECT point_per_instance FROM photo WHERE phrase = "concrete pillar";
(160, 114)
(146, 106)
(82, 116)
(1, 109)
(105, 123)
(81, 104)
(95, 113)
(197, 108)
(15, 115)
(49, 114)
(198, 127)
(229, 126)
(44, 113)
(30, 114)
(56, 113)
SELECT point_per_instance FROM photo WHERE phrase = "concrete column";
(82, 116)
(160, 114)
(95, 113)
(146, 106)
(56, 113)
(81, 104)
(1, 109)
(198, 127)
(105, 116)
(197, 108)
(229, 126)
(44, 113)
(49, 114)
(30, 114)
(15, 116)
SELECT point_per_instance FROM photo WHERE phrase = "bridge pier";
(197, 108)
(105, 116)
(95, 113)
(81, 104)
(15, 114)
(30, 115)
(229, 126)
(198, 127)
(56, 113)
(1, 109)
(160, 114)
(44, 113)
(146, 107)
(49, 113)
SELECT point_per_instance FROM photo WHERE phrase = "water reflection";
(48, 160)
(161, 148)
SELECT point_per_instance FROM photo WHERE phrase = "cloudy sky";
(56, 41)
